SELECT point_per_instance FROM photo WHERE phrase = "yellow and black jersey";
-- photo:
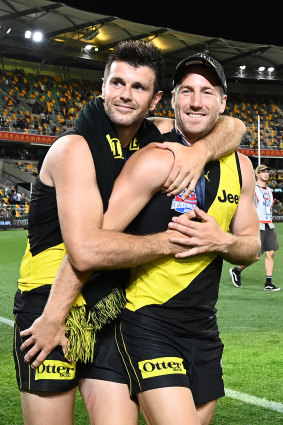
(45, 249)
(181, 293)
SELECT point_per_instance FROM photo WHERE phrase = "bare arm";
(48, 330)
(89, 247)
(223, 139)
(239, 247)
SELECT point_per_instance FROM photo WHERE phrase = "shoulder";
(68, 148)
(70, 152)
(246, 165)
(153, 156)
(164, 125)
(248, 176)
(150, 162)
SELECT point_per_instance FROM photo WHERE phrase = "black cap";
(200, 59)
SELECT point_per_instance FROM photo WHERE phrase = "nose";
(195, 99)
(126, 93)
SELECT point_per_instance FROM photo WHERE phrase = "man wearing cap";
(167, 335)
(269, 243)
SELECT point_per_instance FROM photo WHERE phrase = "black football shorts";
(156, 359)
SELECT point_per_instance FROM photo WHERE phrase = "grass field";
(251, 324)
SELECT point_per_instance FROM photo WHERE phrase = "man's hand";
(43, 336)
(200, 237)
(187, 168)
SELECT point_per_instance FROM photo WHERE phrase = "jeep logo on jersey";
(54, 369)
(161, 366)
(228, 198)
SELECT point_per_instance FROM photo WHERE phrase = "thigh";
(206, 375)
(151, 357)
(269, 240)
(54, 375)
(48, 408)
(205, 412)
(108, 402)
(107, 364)
(167, 406)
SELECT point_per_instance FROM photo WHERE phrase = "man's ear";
(223, 104)
(156, 98)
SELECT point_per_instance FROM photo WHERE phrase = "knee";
(270, 255)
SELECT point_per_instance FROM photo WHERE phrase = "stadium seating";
(45, 104)
(7, 209)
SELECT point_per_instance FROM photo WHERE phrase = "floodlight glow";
(28, 34)
(8, 30)
(88, 47)
(242, 67)
(261, 68)
(270, 69)
(96, 49)
(37, 36)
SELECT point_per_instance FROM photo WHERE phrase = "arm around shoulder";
(224, 138)
(142, 176)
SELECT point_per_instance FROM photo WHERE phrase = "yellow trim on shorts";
(125, 348)
(15, 342)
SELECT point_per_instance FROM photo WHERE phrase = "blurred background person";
(264, 202)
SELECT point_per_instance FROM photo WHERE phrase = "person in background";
(269, 242)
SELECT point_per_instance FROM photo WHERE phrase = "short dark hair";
(138, 53)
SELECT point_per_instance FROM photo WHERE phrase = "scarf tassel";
(82, 325)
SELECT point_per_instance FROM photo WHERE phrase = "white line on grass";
(237, 395)
(261, 402)
(6, 321)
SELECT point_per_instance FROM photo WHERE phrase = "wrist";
(54, 315)
(226, 244)
(170, 248)
(204, 150)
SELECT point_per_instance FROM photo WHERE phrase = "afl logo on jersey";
(184, 205)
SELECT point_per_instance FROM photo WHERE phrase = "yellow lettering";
(134, 146)
(115, 146)
(161, 366)
(55, 369)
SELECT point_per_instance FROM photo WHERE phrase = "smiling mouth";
(193, 115)
(125, 107)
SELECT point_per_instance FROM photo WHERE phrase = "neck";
(188, 142)
(191, 139)
(126, 134)
(261, 183)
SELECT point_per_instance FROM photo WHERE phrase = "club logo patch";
(184, 205)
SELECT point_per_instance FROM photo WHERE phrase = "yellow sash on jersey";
(160, 280)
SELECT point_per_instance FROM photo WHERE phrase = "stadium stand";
(17, 207)
(42, 104)
(35, 104)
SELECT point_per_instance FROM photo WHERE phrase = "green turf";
(251, 325)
